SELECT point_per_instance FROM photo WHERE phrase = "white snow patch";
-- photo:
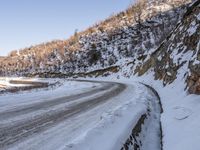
(193, 28)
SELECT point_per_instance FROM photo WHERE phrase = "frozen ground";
(78, 115)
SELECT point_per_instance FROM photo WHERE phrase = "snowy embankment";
(14, 84)
(14, 100)
(129, 119)
(180, 119)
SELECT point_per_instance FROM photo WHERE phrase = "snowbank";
(180, 118)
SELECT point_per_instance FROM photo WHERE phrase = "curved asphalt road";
(17, 132)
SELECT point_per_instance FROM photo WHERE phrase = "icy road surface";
(76, 115)
(20, 122)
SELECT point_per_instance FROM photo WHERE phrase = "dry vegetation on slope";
(132, 37)
(179, 53)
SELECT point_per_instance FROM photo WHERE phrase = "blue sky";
(28, 22)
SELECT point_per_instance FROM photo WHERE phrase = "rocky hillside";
(161, 36)
(179, 53)
(137, 30)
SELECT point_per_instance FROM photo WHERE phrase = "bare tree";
(138, 8)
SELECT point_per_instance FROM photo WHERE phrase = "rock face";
(179, 52)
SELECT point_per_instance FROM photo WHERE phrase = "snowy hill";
(154, 42)
(128, 42)
(124, 36)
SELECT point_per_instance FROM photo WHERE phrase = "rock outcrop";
(179, 53)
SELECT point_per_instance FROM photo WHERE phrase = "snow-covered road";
(70, 116)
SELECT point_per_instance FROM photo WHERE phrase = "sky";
(28, 22)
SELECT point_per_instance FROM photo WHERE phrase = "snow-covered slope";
(171, 70)
(159, 46)
(128, 36)
(179, 54)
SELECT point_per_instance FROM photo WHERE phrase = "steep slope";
(127, 35)
(128, 42)
(180, 52)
